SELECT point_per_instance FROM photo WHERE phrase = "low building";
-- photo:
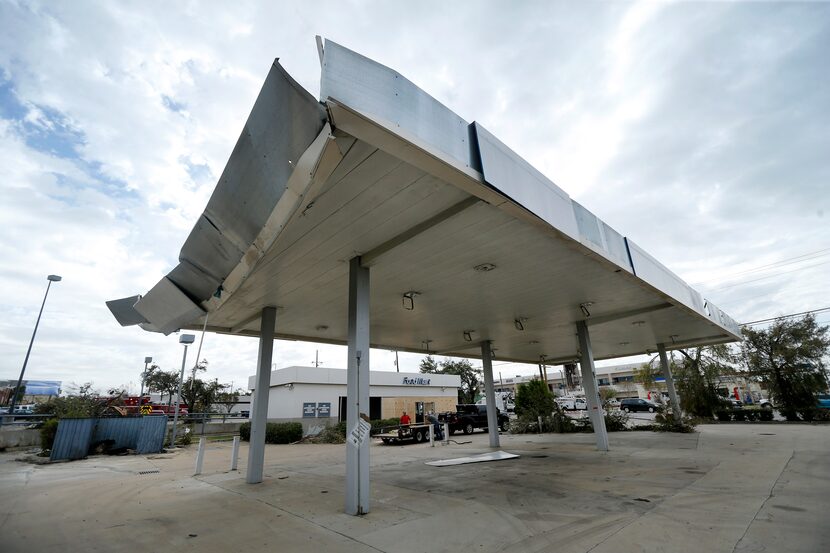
(316, 395)
(621, 379)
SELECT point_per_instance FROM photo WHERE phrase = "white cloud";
(698, 125)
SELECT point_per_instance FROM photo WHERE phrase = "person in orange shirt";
(405, 419)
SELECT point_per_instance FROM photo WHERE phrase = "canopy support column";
(259, 412)
(357, 392)
(589, 383)
(664, 363)
(490, 394)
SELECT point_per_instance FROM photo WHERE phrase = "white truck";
(571, 403)
(504, 402)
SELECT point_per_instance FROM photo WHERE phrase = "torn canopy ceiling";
(466, 241)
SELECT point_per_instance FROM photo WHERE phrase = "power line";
(783, 262)
(786, 316)
(741, 283)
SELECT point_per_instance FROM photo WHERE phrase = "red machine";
(131, 405)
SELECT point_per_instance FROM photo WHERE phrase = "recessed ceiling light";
(468, 335)
(322, 328)
(533, 342)
(408, 299)
(484, 267)
(638, 323)
(624, 343)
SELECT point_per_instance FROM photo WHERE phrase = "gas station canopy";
(465, 240)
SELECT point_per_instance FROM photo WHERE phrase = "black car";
(629, 405)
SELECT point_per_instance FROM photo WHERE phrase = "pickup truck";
(468, 417)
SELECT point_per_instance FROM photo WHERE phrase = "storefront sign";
(417, 381)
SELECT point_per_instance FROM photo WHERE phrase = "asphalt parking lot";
(729, 487)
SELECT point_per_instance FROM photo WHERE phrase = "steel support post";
(589, 383)
(664, 363)
(357, 392)
(259, 411)
(200, 455)
(235, 453)
(490, 394)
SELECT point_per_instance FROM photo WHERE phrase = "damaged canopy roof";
(465, 240)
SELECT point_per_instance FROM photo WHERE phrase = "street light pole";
(185, 340)
(51, 279)
(147, 361)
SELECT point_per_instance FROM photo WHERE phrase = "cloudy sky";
(700, 130)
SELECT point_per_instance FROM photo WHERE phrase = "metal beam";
(611, 317)
(371, 257)
(664, 363)
(245, 322)
(589, 383)
(490, 394)
(357, 391)
(259, 412)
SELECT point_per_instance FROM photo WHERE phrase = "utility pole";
(397, 365)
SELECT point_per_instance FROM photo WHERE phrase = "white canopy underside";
(387, 173)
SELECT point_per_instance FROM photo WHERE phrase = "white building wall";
(291, 387)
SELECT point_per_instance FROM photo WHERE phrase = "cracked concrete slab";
(730, 487)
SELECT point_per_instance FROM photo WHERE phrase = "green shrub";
(334, 434)
(807, 413)
(185, 437)
(521, 426)
(667, 422)
(765, 414)
(558, 421)
(739, 414)
(723, 415)
(283, 432)
(48, 432)
(821, 415)
(616, 421)
(752, 414)
(534, 400)
(275, 432)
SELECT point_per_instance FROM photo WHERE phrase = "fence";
(75, 437)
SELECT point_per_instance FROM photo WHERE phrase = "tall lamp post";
(51, 279)
(185, 340)
(147, 361)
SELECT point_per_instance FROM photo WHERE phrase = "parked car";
(468, 417)
(612, 403)
(629, 405)
(735, 403)
(570, 403)
(765, 403)
(823, 401)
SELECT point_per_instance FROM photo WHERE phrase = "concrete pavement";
(730, 487)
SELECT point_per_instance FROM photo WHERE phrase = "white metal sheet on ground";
(484, 457)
